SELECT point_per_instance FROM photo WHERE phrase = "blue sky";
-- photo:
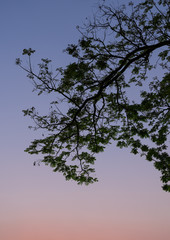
(126, 204)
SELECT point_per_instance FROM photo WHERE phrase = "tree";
(118, 51)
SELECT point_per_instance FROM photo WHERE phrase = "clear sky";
(36, 204)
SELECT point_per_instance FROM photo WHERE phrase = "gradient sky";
(36, 204)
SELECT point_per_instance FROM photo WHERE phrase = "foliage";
(118, 52)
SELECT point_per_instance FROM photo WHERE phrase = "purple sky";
(126, 204)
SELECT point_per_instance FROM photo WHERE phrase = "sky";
(35, 203)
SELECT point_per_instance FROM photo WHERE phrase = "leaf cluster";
(114, 54)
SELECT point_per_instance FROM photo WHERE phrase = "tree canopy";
(116, 88)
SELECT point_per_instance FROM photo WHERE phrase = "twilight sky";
(36, 204)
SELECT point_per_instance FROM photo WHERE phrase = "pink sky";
(126, 204)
